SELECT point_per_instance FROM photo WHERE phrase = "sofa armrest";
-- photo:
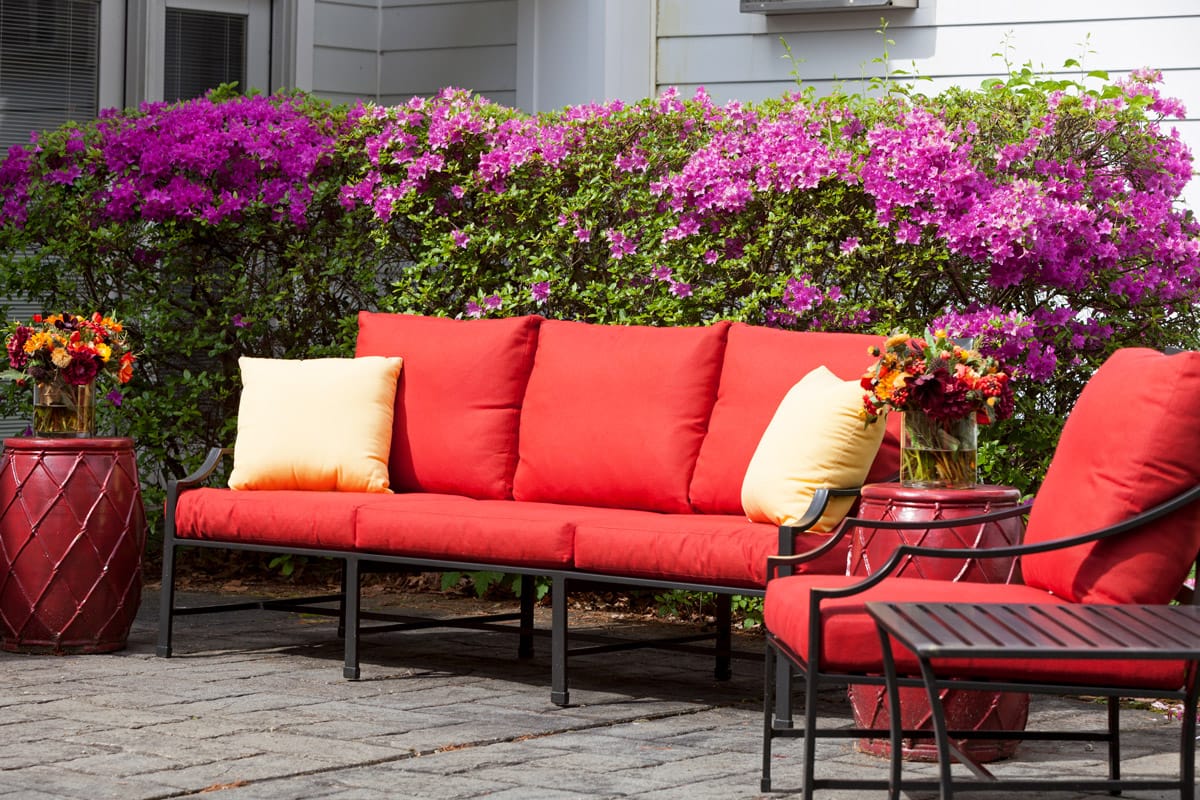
(788, 557)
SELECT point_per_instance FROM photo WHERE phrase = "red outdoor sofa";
(587, 454)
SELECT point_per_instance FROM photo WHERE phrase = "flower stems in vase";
(938, 454)
(63, 409)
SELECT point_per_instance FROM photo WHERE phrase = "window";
(49, 65)
(203, 50)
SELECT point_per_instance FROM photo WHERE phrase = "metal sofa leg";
(341, 627)
(558, 642)
(351, 594)
(724, 644)
(166, 607)
(528, 598)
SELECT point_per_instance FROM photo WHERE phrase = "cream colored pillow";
(322, 424)
(815, 440)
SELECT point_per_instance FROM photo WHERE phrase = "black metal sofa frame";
(345, 605)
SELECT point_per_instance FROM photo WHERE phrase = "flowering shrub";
(213, 228)
(1038, 217)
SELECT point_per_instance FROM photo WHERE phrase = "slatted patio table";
(982, 632)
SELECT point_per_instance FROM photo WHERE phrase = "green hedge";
(1040, 217)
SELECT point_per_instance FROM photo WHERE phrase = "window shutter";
(49, 65)
(203, 50)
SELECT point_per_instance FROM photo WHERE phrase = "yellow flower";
(60, 357)
(104, 351)
(39, 341)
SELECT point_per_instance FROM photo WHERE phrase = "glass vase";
(64, 409)
(937, 454)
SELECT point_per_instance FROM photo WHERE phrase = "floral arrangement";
(945, 390)
(74, 348)
(937, 377)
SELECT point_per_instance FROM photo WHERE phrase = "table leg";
(895, 755)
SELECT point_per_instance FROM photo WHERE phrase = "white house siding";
(391, 50)
(740, 56)
(468, 44)
(345, 60)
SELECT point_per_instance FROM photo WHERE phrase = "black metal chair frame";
(777, 722)
(345, 605)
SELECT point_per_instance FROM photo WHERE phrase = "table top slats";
(1179, 630)
(1035, 631)
(1076, 630)
(1127, 626)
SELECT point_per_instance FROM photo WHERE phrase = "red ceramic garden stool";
(870, 548)
(72, 534)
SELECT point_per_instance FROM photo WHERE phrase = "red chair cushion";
(1132, 441)
(458, 401)
(760, 366)
(292, 518)
(850, 643)
(614, 415)
(446, 527)
(705, 548)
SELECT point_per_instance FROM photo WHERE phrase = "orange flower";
(125, 373)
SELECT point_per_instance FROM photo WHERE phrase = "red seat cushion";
(705, 548)
(850, 643)
(292, 518)
(458, 400)
(614, 414)
(447, 527)
(1132, 441)
(759, 367)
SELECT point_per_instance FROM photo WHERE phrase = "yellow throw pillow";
(323, 424)
(815, 440)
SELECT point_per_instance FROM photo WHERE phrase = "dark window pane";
(203, 50)
(49, 65)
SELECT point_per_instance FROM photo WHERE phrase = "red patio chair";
(1116, 521)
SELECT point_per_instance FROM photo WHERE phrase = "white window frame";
(146, 30)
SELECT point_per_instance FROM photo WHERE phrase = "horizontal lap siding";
(468, 45)
(390, 51)
(346, 50)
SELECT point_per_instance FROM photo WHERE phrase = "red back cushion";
(458, 401)
(1131, 442)
(761, 365)
(614, 415)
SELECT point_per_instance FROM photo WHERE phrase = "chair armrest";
(780, 565)
(196, 478)
(177, 486)
(906, 551)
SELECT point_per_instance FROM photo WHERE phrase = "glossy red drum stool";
(72, 536)
(871, 547)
